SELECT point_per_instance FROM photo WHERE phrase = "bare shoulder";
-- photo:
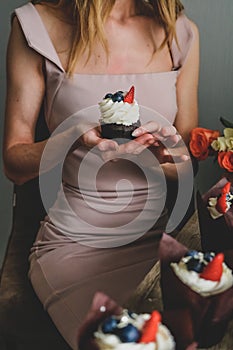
(51, 15)
(47, 14)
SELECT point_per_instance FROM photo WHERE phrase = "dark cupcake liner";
(204, 319)
(216, 234)
(94, 318)
(120, 132)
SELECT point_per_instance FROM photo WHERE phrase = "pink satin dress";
(94, 237)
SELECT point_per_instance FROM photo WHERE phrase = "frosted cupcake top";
(130, 331)
(119, 108)
(205, 273)
(218, 206)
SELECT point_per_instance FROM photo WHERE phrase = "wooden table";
(147, 297)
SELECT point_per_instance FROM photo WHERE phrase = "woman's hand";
(158, 139)
(91, 137)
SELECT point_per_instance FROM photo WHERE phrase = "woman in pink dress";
(103, 230)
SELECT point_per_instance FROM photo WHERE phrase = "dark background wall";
(214, 19)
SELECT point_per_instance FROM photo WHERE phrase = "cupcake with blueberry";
(119, 115)
(108, 326)
(205, 273)
(131, 331)
(202, 285)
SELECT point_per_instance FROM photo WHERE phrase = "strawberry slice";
(151, 328)
(129, 97)
(221, 204)
(226, 189)
(213, 271)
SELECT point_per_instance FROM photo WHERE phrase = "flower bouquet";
(215, 209)
(206, 142)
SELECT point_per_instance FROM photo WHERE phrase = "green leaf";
(226, 123)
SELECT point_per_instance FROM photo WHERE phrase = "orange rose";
(200, 142)
(225, 160)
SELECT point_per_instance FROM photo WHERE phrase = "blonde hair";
(88, 18)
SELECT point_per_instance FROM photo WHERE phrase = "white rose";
(228, 132)
(229, 143)
(219, 144)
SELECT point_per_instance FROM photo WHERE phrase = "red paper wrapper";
(216, 234)
(191, 317)
(94, 317)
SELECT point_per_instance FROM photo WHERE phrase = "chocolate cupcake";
(198, 286)
(215, 214)
(119, 115)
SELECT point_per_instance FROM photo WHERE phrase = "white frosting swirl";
(164, 339)
(214, 213)
(200, 285)
(118, 112)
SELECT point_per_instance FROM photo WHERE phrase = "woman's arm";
(25, 93)
(187, 90)
(187, 101)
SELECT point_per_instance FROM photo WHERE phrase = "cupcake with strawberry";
(215, 214)
(130, 331)
(108, 326)
(205, 273)
(201, 284)
(119, 115)
(218, 206)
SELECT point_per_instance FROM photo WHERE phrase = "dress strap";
(185, 37)
(36, 34)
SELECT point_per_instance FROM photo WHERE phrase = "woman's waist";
(121, 192)
(89, 172)
(87, 214)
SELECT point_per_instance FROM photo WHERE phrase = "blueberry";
(195, 265)
(109, 325)
(193, 254)
(128, 334)
(118, 97)
(108, 96)
(208, 256)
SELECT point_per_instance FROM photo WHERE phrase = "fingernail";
(135, 132)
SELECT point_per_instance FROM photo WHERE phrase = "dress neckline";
(123, 74)
(95, 74)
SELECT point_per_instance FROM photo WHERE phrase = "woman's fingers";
(92, 138)
(107, 145)
(171, 141)
(160, 133)
(149, 127)
(167, 131)
(132, 147)
(163, 155)
(174, 159)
